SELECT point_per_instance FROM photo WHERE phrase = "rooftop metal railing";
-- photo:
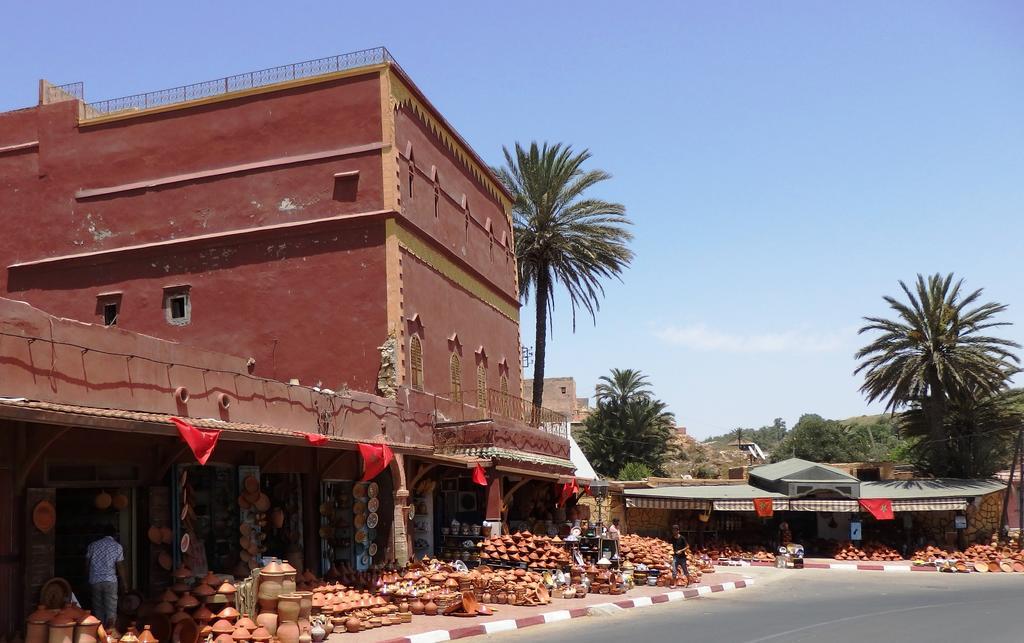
(472, 404)
(240, 82)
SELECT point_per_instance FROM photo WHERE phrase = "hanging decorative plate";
(364, 560)
(360, 508)
(44, 516)
(153, 533)
(359, 490)
(164, 559)
(372, 549)
(185, 540)
(412, 511)
(184, 511)
(166, 535)
(362, 535)
(374, 490)
(183, 478)
(360, 520)
(251, 484)
(263, 503)
(371, 521)
(373, 505)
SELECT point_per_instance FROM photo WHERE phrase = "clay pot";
(403, 606)
(260, 635)
(224, 638)
(268, 621)
(328, 626)
(353, 625)
(103, 501)
(305, 604)
(240, 634)
(36, 630)
(317, 632)
(223, 627)
(416, 607)
(288, 632)
(305, 636)
(229, 614)
(289, 607)
(62, 628)
(430, 609)
(87, 631)
(203, 615)
(147, 636)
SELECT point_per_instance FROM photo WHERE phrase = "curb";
(507, 625)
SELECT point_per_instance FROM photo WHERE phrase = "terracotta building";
(306, 259)
(324, 204)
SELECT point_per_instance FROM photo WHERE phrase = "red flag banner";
(201, 441)
(764, 507)
(315, 439)
(376, 458)
(568, 490)
(880, 508)
(479, 476)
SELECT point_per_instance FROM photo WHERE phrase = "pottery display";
(146, 636)
(353, 625)
(87, 630)
(289, 607)
(268, 621)
(62, 629)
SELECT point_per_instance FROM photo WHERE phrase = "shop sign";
(855, 533)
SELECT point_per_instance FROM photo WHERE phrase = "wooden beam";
(423, 470)
(33, 459)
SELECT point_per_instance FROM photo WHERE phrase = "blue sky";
(785, 163)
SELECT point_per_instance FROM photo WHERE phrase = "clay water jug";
(88, 630)
(289, 607)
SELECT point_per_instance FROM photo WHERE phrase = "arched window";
(455, 371)
(481, 386)
(503, 384)
(416, 362)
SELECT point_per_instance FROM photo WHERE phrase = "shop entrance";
(83, 516)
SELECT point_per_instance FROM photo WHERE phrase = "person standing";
(679, 546)
(105, 557)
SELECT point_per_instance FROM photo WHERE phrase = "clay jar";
(61, 629)
(430, 609)
(36, 630)
(305, 637)
(268, 621)
(317, 632)
(416, 607)
(353, 625)
(403, 607)
(288, 632)
(88, 630)
(305, 604)
(289, 606)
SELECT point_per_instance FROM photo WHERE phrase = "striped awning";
(930, 504)
(778, 504)
(840, 506)
(668, 503)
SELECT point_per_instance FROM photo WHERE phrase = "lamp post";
(599, 488)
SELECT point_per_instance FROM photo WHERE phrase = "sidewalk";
(828, 563)
(428, 629)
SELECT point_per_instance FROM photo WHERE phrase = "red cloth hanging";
(764, 507)
(376, 458)
(315, 439)
(201, 441)
(479, 476)
(569, 489)
(880, 508)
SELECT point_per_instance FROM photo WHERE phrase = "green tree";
(819, 440)
(628, 425)
(936, 352)
(634, 471)
(979, 433)
(561, 235)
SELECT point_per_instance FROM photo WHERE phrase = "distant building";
(560, 396)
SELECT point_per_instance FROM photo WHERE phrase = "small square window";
(110, 314)
(563, 390)
(177, 306)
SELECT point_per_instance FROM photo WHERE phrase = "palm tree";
(624, 385)
(561, 235)
(935, 351)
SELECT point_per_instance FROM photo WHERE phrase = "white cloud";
(703, 338)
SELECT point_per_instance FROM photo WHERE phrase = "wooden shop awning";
(668, 503)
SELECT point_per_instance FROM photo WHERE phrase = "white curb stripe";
(642, 601)
(499, 626)
(703, 590)
(430, 637)
(895, 568)
(849, 566)
(675, 596)
(728, 585)
(554, 617)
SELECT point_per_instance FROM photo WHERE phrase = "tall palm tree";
(622, 386)
(562, 236)
(937, 349)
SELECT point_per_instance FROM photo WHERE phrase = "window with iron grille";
(416, 362)
(455, 371)
(503, 384)
(481, 386)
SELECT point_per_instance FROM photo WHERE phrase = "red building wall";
(271, 207)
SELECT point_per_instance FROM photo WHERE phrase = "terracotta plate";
(263, 503)
(185, 540)
(55, 593)
(251, 484)
(153, 533)
(359, 508)
(371, 521)
(359, 489)
(166, 535)
(373, 505)
(372, 549)
(374, 490)
(44, 516)
(360, 520)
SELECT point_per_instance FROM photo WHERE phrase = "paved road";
(819, 605)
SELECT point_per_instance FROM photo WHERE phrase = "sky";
(784, 164)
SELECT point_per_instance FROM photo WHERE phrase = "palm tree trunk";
(540, 348)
